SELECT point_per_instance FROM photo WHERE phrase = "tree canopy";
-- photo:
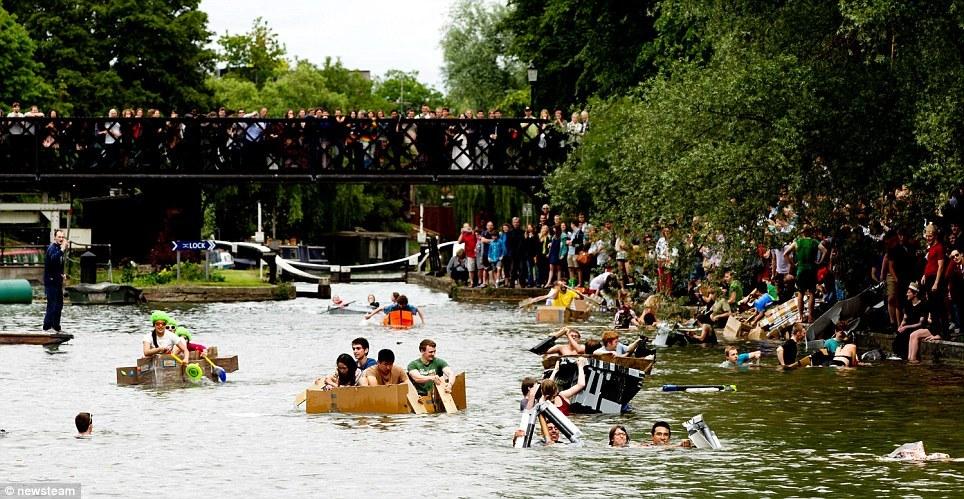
(21, 78)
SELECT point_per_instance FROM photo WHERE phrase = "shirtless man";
(385, 372)
(660, 434)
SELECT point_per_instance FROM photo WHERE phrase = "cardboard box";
(756, 334)
(735, 329)
(579, 310)
(551, 315)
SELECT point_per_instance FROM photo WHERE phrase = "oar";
(447, 401)
(222, 375)
(544, 346)
(698, 388)
(301, 397)
(193, 370)
(413, 401)
(343, 305)
(531, 301)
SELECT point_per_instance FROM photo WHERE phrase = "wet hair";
(549, 389)
(425, 344)
(527, 383)
(386, 355)
(612, 433)
(728, 349)
(608, 336)
(402, 300)
(82, 422)
(657, 424)
(592, 345)
(347, 379)
(360, 341)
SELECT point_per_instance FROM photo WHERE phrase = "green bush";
(190, 272)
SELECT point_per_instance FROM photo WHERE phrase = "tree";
(303, 86)
(401, 90)
(581, 48)
(478, 70)
(102, 54)
(257, 55)
(21, 81)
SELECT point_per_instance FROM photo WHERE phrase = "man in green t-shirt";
(734, 290)
(427, 370)
(807, 254)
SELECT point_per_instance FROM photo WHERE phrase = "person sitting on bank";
(625, 317)
(85, 424)
(346, 373)
(734, 358)
(550, 389)
(650, 306)
(717, 309)
(384, 372)
(925, 334)
(359, 349)
(458, 268)
(787, 353)
(182, 332)
(427, 370)
(160, 341)
(661, 434)
(400, 305)
(760, 298)
(915, 318)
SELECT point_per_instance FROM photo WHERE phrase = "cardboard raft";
(776, 321)
(383, 399)
(161, 370)
(578, 311)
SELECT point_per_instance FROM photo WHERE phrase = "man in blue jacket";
(54, 280)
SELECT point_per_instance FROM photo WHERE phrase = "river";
(811, 432)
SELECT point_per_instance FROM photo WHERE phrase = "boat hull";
(387, 399)
(159, 371)
(43, 339)
(104, 294)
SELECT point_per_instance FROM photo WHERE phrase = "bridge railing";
(212, 148)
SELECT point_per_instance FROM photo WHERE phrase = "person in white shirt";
(160, 341)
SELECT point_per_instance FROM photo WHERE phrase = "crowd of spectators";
(920, 266)
(299, 140)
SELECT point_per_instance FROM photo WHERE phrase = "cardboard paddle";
(544, 346)
(413, 400)
(447, 401)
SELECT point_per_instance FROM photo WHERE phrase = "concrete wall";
(34, 273)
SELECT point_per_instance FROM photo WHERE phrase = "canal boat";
(164, 370)
(43, 339)
(104, 293)
(383, 399)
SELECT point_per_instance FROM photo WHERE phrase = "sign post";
(179, 246)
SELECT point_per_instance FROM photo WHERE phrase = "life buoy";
(399, 319)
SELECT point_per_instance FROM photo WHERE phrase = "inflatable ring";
(194, 372)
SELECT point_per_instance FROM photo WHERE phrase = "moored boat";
(44, 339)
(104, 293)
(383, 399)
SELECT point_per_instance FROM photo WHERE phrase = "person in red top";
(469, 238)
(191, 347)
(932, 282)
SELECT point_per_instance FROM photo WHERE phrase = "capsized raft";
(382, 399)
(162, 370)
(611, 382)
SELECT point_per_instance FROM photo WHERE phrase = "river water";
(808, 433)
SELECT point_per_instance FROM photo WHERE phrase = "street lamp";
(532, 74)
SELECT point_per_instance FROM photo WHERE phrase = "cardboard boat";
(383, 399)
(162, 370)
(578, 311)
(611, 382)
(44, 339)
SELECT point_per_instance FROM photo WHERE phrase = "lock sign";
(192, 245)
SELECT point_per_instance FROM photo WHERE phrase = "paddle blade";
(543, 346)
(301, 397)
(222, 374)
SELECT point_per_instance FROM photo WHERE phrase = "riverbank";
(212, 294)
(945, 351)
(473, 295)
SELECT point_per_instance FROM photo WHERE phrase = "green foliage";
(303, 86)
(190, 272)
(478, 70)
(21, 73)
(581, 48)
(117, 53)
(256, 56)
(401, 91)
